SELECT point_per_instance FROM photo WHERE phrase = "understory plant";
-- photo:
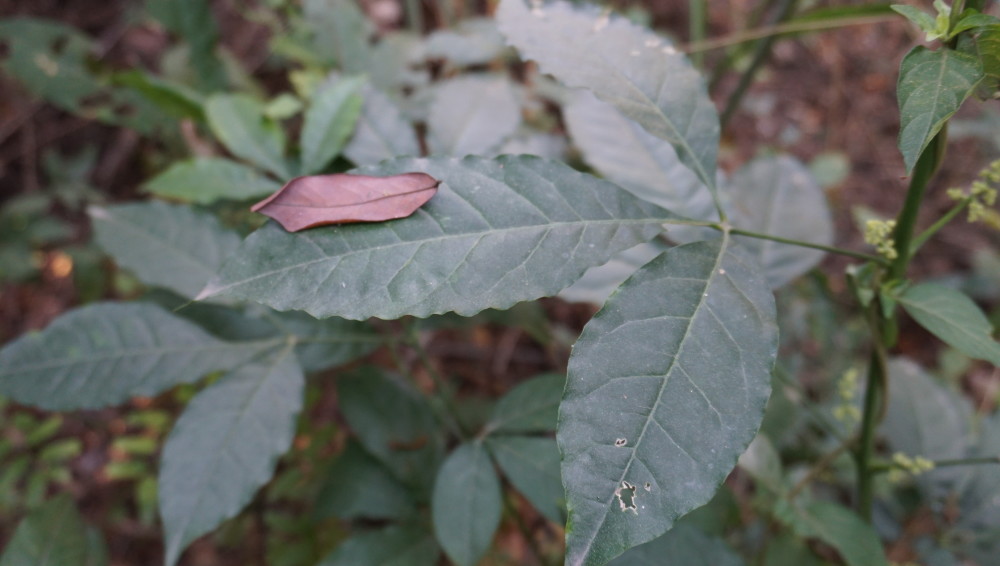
(668, 384)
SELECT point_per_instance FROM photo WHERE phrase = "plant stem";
(800, 243)
(874, 398)
(823, 464)
(696, 27)
(933, 229)
(782, 29)
(925, 168)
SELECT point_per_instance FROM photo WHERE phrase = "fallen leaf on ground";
(316, 200)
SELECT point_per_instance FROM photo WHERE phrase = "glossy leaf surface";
(172, 246)
(205, 180)
(532, 466)
(667, 387)
(54, 535)
(396, 545)
(932, 86)
(637, 71)
(954, 318)
(104, 353)
(225, 446)
(466, 504)
(329, 122)
(497, 233)
(472, 115)
(682, 545)
(318, 200)
(239, 123)
(778, 196)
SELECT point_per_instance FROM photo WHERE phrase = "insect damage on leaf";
(317, 200)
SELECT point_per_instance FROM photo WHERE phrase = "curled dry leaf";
(305, 202)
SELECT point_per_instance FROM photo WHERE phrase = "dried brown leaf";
(305, 202)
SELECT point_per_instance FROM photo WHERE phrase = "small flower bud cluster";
(847, 387)
(981, 194)
(906, 466)
(879, 234)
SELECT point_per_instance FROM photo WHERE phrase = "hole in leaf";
(648, 486)
(626, 496)
(620, 442)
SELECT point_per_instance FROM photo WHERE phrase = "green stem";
(800, 243)
(925, 168)
(933, 229)
(697, 23)
(783, 29)
(816, 470)
(447, 416)
(874, 391)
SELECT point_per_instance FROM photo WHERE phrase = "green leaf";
(954, 318)
(238, 121)
(395, 423)
(104, 353)
(472, 115)
(682, 545)
(599, 282)
(193, 20)
(466, 504)
(762, 461)
(174, 99)
(321, 344)
(225, 445)
(205, 180)
(855, 540)
(329, 121)
(626, 65)
(359, 486)
(924, 418)
(918, 17)
(932, 86)
(629, 156)
(341, 33)
(663, 396)
(54, 535)
(778, 196)
(532, 466)
(531, 406)
(396, 545)
(979, 501)
(973, 20)
(498, 232)
(786, 549)
(164, 245)
(382, 131)
(398, 63)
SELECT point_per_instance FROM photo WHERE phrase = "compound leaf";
(666, 388)
(54, 534)
(954, 318)
(531, 406)
(498, 232)
(165, 245)
(628, 66)
(932, 86)
(466, 504)
(205, 180)
(225, 446)
(104, 353)
(395, 545)
(532, 466)
(359, 486)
